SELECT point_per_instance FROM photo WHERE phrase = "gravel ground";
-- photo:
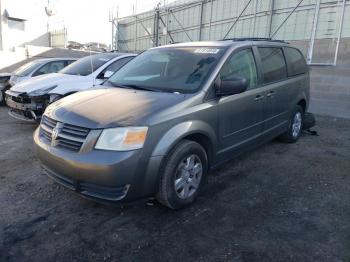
(282, 202)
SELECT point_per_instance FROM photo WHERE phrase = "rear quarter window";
(295, 61)
(273, 64)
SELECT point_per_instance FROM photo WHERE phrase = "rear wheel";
(295, 126)
(183, 175)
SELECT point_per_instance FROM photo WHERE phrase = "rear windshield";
(180, 69)
(87, 65)
(26, 69)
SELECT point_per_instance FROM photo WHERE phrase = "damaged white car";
(28, 100)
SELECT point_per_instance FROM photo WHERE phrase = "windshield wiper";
(137, 87)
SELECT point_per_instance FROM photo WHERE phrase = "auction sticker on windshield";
(207, 50)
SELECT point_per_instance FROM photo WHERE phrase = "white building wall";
(34, 31)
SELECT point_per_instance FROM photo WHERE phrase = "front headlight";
(54, 98)
(122, 138)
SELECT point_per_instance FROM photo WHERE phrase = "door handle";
(258, 97)
(270, 94)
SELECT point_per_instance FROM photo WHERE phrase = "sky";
(88, 20)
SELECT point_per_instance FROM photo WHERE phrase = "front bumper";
(24, 107)
(105, 176)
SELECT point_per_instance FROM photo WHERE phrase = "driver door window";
(241, 64)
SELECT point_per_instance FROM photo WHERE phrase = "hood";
(14, 79)
(44, 81)
(112, 107)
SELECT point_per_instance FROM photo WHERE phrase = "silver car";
(39, 67)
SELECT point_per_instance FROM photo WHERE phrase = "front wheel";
(182, 175)
(295, 126)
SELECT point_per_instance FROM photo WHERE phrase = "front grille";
(69, 136)
(21, 99)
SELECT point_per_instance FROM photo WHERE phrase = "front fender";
(182, 130)
(167, 142)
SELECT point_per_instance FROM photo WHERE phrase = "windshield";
(26, 69)
(180, 69)
(87, 65)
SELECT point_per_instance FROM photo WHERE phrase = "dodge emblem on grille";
(54, 135)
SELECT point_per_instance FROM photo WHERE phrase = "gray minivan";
(160, 123)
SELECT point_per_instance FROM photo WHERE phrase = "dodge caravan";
(160, 123)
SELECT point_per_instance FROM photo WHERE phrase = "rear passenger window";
(273, 64)
(295, 61)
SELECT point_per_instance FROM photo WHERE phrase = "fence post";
(156, 28)
(313, 34)
(271, 16)
(201, 22)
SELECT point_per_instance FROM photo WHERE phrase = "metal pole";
(135, 35)
(114, 40)
(339, 32)
(290, 13)
(255, 11)
(112, 44)
(314, 30)
(211, 17)
(165, 24)
(271, 17)
(1, 47)
(201, 22)
(234, 23)
(167, 27)
(156, 28)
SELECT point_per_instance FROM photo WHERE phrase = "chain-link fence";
(317, 25)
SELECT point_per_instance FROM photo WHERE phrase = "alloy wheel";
(296, 125)
(188, 176)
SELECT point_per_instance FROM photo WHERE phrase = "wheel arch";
(302, 103)
(197, 131)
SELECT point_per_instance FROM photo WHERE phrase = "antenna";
(92, 67)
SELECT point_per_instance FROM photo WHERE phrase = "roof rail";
(255, 39)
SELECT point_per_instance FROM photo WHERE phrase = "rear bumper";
(105, 176)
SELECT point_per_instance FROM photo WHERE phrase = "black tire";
(2, 98)
(167, 195)
(289, 136)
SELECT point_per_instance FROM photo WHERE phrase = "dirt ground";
(281, 202)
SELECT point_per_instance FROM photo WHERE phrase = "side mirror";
(108, 74)
(231, 86)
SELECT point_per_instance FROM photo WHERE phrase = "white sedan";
(28, 99)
